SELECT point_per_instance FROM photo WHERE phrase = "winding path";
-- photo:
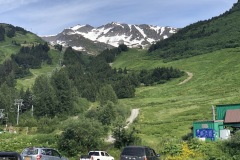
(131, 118)
(190, 75)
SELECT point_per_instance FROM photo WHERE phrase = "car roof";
(8, 153)
(137, 147)
(39, 148)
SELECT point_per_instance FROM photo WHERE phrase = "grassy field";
(27, 82)
(7, 48)
(168, 110)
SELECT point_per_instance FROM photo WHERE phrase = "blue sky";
(48, 17)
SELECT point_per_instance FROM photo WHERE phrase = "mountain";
(202, 37)
(111, 35)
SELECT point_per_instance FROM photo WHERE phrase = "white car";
(97, 155)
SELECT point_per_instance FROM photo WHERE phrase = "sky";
(50, 17)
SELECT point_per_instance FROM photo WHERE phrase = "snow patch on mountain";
(132, 35)
(112, 34)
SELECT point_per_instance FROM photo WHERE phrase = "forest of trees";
(79, 77)
(91, 78)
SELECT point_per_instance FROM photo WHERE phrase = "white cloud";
(8, 5)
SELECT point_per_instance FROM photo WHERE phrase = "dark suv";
(10, 156)
(138, 153)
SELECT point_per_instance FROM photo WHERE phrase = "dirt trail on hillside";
(131, 118)
(190, 75)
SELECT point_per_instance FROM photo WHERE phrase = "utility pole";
(32, 110)
(18, 102)
(1, 113)
(213, 113)
(31, 100)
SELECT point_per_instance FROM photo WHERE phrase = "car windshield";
(133, 151)
(93, 153)
(30, 151)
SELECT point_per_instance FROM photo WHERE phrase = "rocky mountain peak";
(112, 34)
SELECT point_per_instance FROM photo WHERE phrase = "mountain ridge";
(111, 35)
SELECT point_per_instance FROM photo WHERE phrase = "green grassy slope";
(168, 110)
(7, 48)
(202, 37)
(27, 82)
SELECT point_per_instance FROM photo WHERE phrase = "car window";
(30, 151)
(133, 151)
(147, 151)
(152, 152)
(46, 152)
(55, 153)
(106, 154)
(93, 153)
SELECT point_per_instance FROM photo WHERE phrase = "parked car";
(10, 156)
(97, 155)
(41, 153)
(139, 153)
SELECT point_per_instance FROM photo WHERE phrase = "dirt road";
(190, 75)
(131, 118)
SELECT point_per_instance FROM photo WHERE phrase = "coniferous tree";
(44, 98)
(7, 97)
(122, 47)
(63, 89)
(105, 94)
(2, 33)
(124, 88)
(107, 114)
(11, 32)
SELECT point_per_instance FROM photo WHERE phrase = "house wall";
(207, 127)
(222, 109)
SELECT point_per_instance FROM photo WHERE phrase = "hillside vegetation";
(201, 37)
(85, 99)
(12, 38)
(167, 111)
